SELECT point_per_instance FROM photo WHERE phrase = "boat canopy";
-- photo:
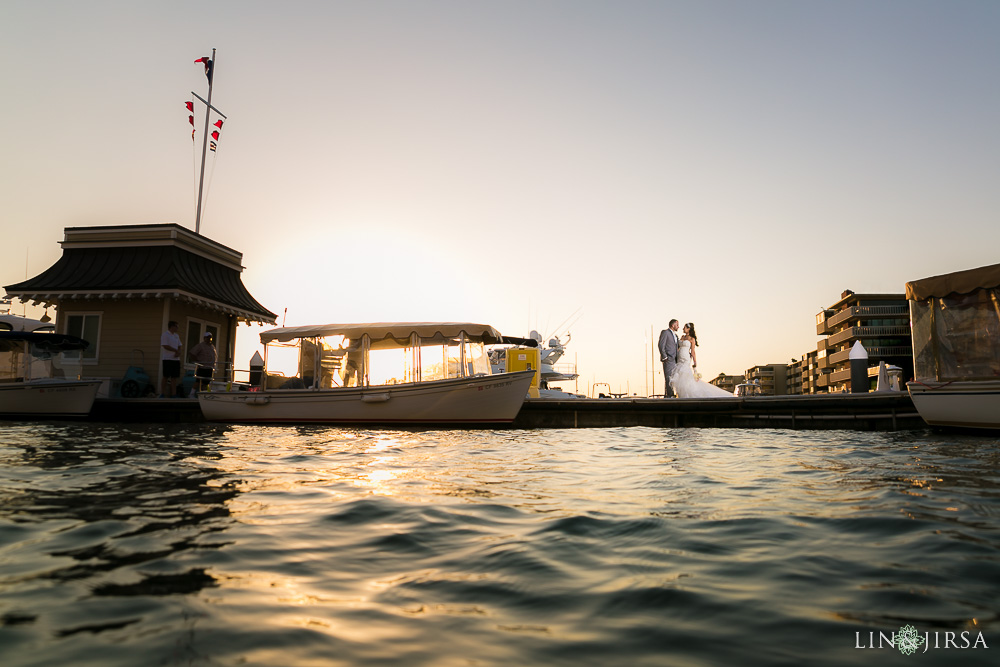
(960, 282)
(955, 320)
(44, 342)
(427, 331)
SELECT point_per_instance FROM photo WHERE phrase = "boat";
(746, 389)
(25, 355)
(956, 348)
(400, 373)
(11, 322)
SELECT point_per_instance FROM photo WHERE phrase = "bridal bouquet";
(697, 375)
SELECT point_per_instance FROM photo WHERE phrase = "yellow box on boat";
(526, 359)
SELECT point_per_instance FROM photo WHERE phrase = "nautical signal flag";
(218, 124)
(212, 146)
(215, 135)
(208, 67)
(190, 106)
(191, 120)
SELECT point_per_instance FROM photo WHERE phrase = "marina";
(281, 383)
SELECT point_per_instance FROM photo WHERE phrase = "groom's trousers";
(668, 367)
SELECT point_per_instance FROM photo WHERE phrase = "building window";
(88, 327)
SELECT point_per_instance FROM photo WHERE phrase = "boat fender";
(257, 400)
(375, 398)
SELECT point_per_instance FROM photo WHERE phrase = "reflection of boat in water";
(956, 348)
(550, 372)
(383, 373)
(24, 355)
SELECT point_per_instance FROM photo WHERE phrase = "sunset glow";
(733, 164)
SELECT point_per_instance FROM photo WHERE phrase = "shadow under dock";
(862, 412)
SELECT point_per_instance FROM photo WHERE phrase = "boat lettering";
(496, 385)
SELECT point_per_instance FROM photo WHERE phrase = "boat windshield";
(36, 356)
(326, 362)
(957, 336)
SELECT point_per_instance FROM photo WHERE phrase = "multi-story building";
(772, 378)
(810, 372)
(880, 321)
(794, 372)
(727, 382)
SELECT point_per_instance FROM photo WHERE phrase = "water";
(241, 545)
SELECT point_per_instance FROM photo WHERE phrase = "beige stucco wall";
(130, 331)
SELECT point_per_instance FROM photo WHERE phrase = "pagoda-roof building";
(119, 287)
(143, 261)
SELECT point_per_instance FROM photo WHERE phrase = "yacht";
(550, 371)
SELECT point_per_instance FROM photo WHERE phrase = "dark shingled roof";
(143, 268)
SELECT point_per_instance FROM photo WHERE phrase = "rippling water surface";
(241, 545)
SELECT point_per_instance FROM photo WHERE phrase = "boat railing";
(565, 369)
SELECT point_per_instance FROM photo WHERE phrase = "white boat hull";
(962, 404)
(485, 399)
(48, 398)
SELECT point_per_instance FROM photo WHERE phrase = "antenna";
(210, 71)
(560, 327)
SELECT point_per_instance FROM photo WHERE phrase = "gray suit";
(667, 346)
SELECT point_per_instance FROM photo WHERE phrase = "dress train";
(683, 381)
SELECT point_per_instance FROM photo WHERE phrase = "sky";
(591, 167)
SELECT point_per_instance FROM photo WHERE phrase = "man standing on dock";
(668, 354)
(204, 355)
(170, 359)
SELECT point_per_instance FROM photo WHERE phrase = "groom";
(668, 354)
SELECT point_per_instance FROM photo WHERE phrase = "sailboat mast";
(204, 144)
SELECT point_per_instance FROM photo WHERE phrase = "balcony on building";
(853, 333)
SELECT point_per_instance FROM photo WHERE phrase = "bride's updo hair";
(690, 326)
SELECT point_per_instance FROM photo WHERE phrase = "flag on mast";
(208, 67)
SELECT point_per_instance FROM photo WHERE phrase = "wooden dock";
(859, 412)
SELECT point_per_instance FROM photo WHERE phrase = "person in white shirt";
(170, 359)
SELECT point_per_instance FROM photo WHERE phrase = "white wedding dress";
(683, 381)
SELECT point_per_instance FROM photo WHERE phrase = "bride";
(682, 379)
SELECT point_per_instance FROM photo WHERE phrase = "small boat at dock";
(401, 373)
(27, 387)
